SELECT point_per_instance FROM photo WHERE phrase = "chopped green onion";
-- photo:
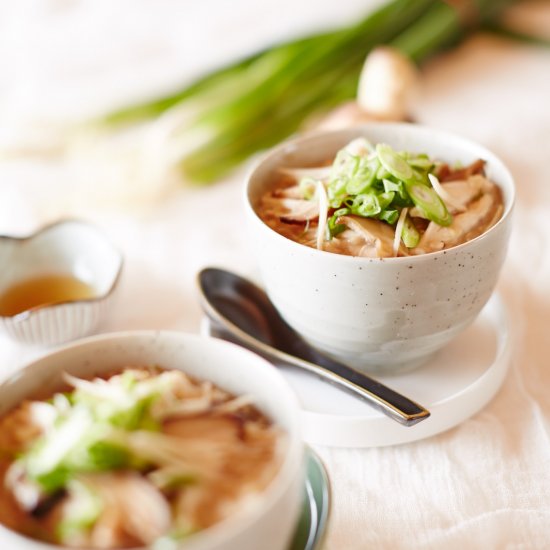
(393, 163)
(45, 461)
(83, 510)
(308, 187)
(363, 177)
(389, 216)
(355, 187)
(385, 199)
(366, 205)
(419, 177)
(342, 212)
(390, 185)
(421, 162)
(429, 202)
(334, 228)
(410, 235)
(401, 197)
(82, 439)
(399, 231)
(174, 539)
(167, 479)
(382, 173)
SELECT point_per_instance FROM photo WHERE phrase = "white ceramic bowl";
(378, 315)
(270, 524)
(68, 247)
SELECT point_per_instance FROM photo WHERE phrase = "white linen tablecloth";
(484, 484)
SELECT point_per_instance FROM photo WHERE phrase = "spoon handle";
(377, 395)
(387, 401)
(242, 313)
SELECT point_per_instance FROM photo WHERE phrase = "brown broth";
(43, 290)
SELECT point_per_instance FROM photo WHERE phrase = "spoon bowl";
(241, 312)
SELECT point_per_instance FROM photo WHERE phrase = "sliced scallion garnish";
(421, 162)
(364, 176)
(393, 163)
(427, 200)
(410, 235)
(380, 183)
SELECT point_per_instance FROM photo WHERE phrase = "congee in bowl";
(380, 243)
(136, 455)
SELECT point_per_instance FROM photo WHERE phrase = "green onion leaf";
(389, 216)
(385, 199)
(363, 177)
(254, 103)
(429, 202)
(410, 235)
(334, 228)
(421, 162)
(307, 187)
(366, 205)
(393, 163)
(85, 507)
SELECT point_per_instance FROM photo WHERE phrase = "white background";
(484, 484)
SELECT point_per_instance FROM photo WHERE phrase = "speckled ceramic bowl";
(69, 247)
(378, 315)
(266, 522)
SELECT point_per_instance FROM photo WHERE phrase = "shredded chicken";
(18, 429)
(291, 210)
(134, 512)
(376, 236)
(480, 215)
(465, 191)
(293, 192)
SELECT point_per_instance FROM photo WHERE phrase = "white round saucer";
(453, 385)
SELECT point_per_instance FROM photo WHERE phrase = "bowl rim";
(293, 461)
(297, 142)
(27, 313)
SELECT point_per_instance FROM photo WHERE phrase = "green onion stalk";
(256, 102)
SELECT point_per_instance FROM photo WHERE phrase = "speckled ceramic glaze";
(69, 247)
(379, 315)
(267, 522)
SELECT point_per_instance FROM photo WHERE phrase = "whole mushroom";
(388, 84)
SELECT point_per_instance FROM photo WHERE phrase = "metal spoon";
(242, 313)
